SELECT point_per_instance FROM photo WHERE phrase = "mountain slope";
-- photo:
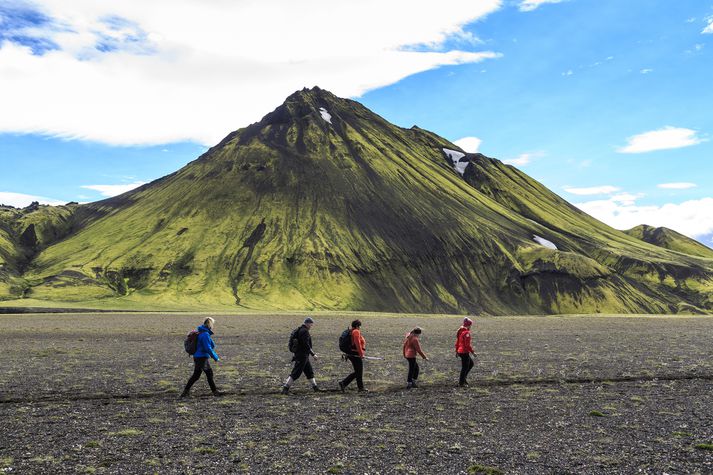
(324, 204)
(670, 239)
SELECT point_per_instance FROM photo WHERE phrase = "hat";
(308, 320)
(467, 322)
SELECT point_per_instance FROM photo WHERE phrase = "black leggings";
(357, 374)
(302, 364)
(201, 365)
(413, 370)
(466, 365)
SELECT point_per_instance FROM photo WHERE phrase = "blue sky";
(606, 102)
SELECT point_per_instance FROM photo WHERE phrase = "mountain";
(325, 205)
(670, 239)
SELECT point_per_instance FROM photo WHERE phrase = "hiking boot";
(363, 390)
(342, 387)
(317, 389)
(409, 385)
(184, 395)
(414, 385)
(285, 390)
(464, 384)
(217, 393)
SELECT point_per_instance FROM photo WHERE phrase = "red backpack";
(190, 344)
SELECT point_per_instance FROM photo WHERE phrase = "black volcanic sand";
(577, 394)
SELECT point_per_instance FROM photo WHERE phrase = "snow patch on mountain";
(458, 159)
(544, 242)
(325, 115)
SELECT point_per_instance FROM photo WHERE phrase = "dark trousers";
(201, 365)
(413, 370)
(357, 374)
(302, 365)
(466, 365)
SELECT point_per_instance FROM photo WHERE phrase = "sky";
(607, 103)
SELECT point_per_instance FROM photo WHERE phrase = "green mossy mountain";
(670, 239)
(325, 205)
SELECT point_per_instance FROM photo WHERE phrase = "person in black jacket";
(303, 350)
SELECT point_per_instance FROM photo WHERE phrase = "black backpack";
(292, 343)
(345, 341)
(190, 344)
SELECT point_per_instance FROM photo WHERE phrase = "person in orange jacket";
(464, 349)
(356, 356)
(412, 347)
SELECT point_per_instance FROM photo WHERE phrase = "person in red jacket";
(356, 356)
(464, 349)
(412, 347)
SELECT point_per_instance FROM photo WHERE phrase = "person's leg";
(359, 370)
(197, 369)
(309, 374)
(297, 370)
(416, 370)
(411, 364)
(209, 375)
(464, 358)
(471, 363)
(346, 381)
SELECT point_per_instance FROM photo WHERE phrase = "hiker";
(412, 347)
(464, 350)
(354, 353)
(301, 345)
(201, 358)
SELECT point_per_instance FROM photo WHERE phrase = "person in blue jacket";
(201, 358)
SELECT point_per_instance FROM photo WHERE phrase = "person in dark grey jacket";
(302, 352)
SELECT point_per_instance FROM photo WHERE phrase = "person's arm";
(357, 343)
(208, 344)
(303, 340)
(417, 347)
(469, 346)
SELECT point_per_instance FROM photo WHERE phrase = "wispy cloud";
(529, 5)
(523, 159)
(646, 71)
(132, 72)
(469, 144)
(709, 26)
(677, 186)
(592, 190)
(693, 218)
(661, 139)
(20, 200)
(113, 190)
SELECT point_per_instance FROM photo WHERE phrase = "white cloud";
(693, 218)
(646, 71)
(529, 5)
(709, 27)
(203, 69)
(593, 190)
(113, 190)
(523, 159)
(569, 72)
(469, 144)
(677, 186)
(20, 200)
(661, 139)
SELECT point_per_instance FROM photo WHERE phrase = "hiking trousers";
(466, 365)
(413, 370)
(357, 374)
(201, 365)
(302, 365)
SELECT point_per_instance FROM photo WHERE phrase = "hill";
(325, 205)
(670, 239)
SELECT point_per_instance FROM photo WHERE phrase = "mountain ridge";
(323, 204)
